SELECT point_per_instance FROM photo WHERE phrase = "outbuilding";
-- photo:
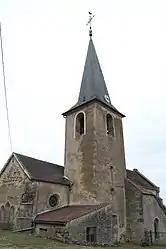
(95, 224)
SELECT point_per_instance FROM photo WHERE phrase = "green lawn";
(10, 240)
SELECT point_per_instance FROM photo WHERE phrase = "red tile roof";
(66, 213)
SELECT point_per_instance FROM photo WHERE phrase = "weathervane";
(89, 23)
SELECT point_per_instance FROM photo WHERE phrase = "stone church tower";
(94, 146)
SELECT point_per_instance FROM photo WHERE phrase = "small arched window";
(156, 228)
(110, 125)
(80, 124)
(2, 213)
(7, 210)
(12, 213)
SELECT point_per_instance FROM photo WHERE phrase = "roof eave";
(73, 109)
(63, 223)
(41, 221)
(50, 181)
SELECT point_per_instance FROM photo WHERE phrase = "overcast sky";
(45, 44)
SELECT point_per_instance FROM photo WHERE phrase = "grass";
(9, 240)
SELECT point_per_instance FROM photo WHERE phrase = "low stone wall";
(23, 222)
(6, 225)
(99, 228)
(160, 240)
(62, 234)
(151, 238)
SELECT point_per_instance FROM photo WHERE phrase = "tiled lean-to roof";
(66, 213)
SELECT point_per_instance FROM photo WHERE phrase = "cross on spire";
(89, 23)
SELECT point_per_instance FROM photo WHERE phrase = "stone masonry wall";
(95, 162)
(105, 223)
(50, 231)
(12, 186)
(75, 231)
(45, 190)
(135, 215)
(21, 199)
(110, 163)
(79, 157)
(152, 210)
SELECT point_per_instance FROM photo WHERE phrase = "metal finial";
(89, 23)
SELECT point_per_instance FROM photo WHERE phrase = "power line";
(4, 81)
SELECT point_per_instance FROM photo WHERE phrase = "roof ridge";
(71, 214)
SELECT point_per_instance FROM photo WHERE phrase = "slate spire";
(93, 86)
(93, 83)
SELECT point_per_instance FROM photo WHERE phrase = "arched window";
(7, 210)
(110, 125)
(80, 124)
(2, 213)
(156, 228)
(12, 213)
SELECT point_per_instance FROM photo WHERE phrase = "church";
(92, 198)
